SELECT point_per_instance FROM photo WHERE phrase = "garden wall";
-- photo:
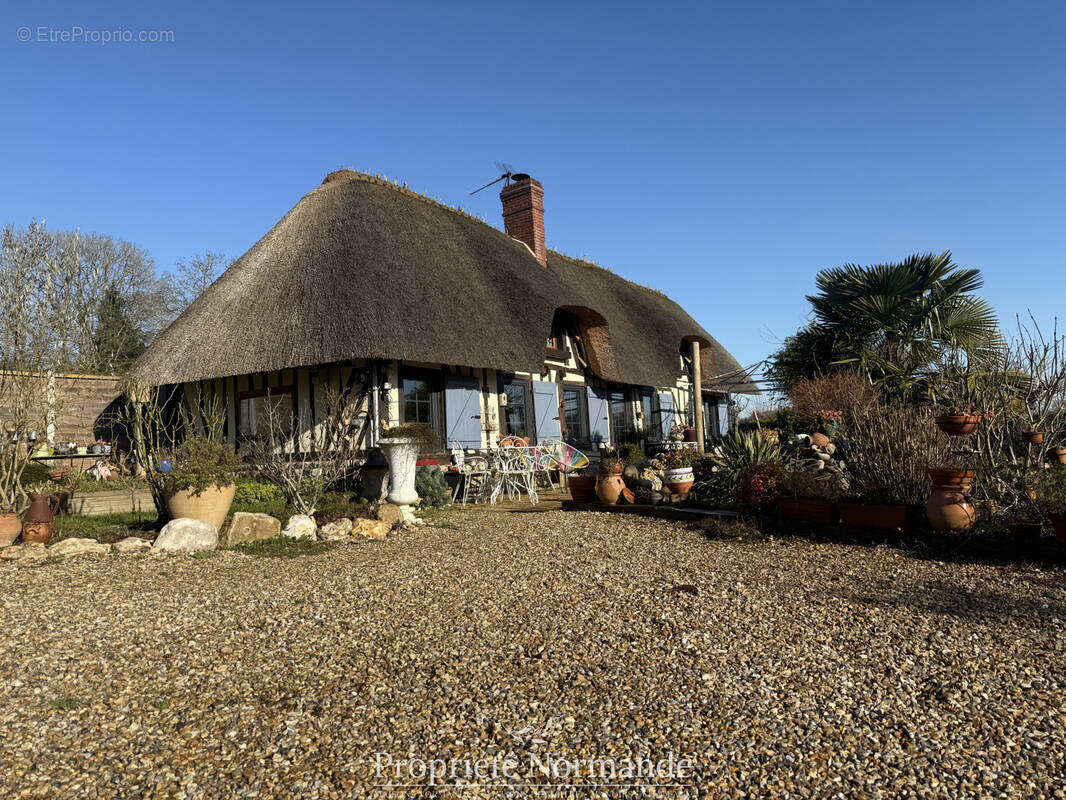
(84, 409)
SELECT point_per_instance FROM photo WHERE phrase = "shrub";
(679, 459)
(253, 491)
(424, 435)
(632, 454)
(333, 506)
(1052, 492)
(760, 485)
(800, 483)
(818, 401)
(740, 451)
(199, 464)
(432, 488)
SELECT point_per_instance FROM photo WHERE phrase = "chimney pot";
(523, 213)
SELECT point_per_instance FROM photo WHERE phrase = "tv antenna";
(507, 171)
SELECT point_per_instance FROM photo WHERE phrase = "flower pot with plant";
(401, 445)
(609, 484)
(959, 420)
(200, 484)
(678, 475)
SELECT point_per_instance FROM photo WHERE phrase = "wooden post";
(697, 393)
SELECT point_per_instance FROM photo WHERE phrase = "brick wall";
(84, 407)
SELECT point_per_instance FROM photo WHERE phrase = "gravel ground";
(781, 668)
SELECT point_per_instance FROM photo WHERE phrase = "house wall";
(311, 385)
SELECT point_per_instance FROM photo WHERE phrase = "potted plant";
(678, 476)
(401, 445)
(609, 484)
(582, 486)
(200, 483)
(959, 420)
(1052, 496)
(806, 496)
(1057, 455)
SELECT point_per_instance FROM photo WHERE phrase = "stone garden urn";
(402, 455)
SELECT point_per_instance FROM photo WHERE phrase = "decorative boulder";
(246, 527)
(300, 526)
(338, 531)
(389, 513)
(185, 535)
(79, 547)
(371, 528)
(132, 544)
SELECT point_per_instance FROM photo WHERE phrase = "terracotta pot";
(1058, 523)
(10, 528)
(39, 521)
(864, 515)
(679, 480)
(1032, 437)
(823, 512)
(210, 506)
(616, 469)
(1057, 454)
(690, 434)
(609, 488)
(582, 488)
(948, 508)
(958, 424)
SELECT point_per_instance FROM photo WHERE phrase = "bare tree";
(304, 477)
(193, 276)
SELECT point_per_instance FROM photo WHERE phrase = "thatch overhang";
(361, 268)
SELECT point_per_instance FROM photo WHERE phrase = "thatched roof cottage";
(433, 316)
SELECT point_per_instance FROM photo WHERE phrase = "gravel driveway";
(780, 668)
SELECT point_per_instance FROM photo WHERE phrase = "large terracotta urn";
(949, 508)
(402, 455)
(39, 521)
(10, 528)
(609, 488)
(210, 506)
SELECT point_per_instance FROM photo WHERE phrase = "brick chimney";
(523, 214)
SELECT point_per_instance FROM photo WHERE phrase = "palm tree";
(893, 322)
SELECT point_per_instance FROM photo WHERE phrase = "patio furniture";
(475, 474)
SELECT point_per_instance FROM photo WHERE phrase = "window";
(575, 414)
(255, 409)
(417, 401)
(619, 415)
(649, 405)
(516, 412)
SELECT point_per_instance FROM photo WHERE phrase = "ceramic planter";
(864, 515)
(679, 480)
(609, 488)
(39, 521)
(948, 508)
(10, 528)
(582, 488)
(822, 512)
(958, 424)
(210, 506)
(402, 455)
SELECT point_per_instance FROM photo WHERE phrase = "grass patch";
(283, 547)
(66, 703)
(451, 526)
(275, 508)
(205, 554)
(107, 528)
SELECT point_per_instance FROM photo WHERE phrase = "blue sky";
(721, 152)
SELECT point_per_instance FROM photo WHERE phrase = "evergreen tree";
(117, 340)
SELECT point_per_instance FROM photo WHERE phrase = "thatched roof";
(361, 268)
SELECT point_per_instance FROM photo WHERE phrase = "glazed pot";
(10, 528)
(39, 521)
(1057, 454)
(823, 512)
(679, 480)
(609, 488)
(402, 455)
(582, 488)
(1058, 524)
(210, 506)
(958, 424)
(948, 507)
